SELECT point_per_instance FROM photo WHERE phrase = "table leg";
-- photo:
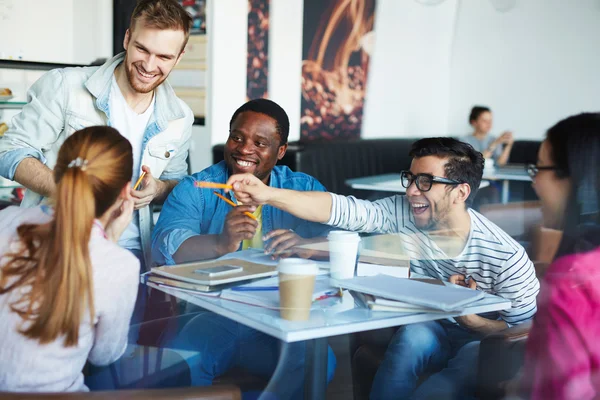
(315, 369)
(505, 189)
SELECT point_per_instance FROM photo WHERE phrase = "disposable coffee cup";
(343, 252)
(296, 286)
(489, 164)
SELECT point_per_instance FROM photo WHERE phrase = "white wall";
(62, 31)
(285, 59)
(533, 65)
(227, 27)
(409, 72)
(92, 30)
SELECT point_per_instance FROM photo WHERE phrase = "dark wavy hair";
(575, 151)
(465, 164)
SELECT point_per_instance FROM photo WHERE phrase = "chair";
(516, 219)
(205, 393)
(501, 354)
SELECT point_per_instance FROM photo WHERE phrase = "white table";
(331, 317)
(506, 174)
(385, 183)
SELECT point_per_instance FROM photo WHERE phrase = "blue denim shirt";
(190, 211)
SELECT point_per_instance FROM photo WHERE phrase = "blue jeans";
(443, 349)
(214, 344)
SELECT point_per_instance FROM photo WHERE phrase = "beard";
(140, 87)
(438, 219)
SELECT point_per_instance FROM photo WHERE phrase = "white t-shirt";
(132, 126)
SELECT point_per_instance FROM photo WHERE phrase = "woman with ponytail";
(67, 290)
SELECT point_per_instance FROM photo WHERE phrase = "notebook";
(445, 298)
(185, 272)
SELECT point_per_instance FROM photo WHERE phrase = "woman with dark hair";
(563, 350)
(495, 148)
(67, 289)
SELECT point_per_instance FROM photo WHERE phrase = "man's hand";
(468, 321)
(249, 189)
(281, 241)
(121, 218)
(238, 226)
(461, 280)
(150, 189)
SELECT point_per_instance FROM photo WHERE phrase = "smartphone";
(219, 270)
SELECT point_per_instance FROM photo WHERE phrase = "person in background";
(444, 239)
(130, 93)
(491, 147)
(563, 352)
(67, 290)
(194, 224)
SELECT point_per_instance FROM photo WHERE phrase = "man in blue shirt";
(195, 224)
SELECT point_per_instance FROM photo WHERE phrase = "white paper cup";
(296, 286)
(489, 164)
(343, 250)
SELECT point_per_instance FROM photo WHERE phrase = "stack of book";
(387, 293)
(209, 276)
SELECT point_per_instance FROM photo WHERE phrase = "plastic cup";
(343, 251)
(296, 286)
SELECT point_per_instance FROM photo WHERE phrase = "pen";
(333, 293)
(212, 185)
(139, 180)
(255, 288)
(231, 203)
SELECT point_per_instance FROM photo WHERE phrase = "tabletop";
(513, 172)
(329, 317)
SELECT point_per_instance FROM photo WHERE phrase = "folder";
(445, 298)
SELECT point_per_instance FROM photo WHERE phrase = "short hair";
(270, 109)
(465, 164)
(162, 14)
(476, 111)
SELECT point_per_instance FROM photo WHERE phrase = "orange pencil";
(212, 185)
(139, 180)
(231, 203)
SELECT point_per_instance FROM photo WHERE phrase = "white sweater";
(25, 364)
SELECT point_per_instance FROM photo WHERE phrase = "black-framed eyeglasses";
(424, 182)
(533, 169)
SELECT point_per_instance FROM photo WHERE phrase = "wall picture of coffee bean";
(258, 49)
(338, 37)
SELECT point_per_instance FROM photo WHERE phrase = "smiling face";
(253, 146)
(435, 209)
(552, 191)
(150, 56)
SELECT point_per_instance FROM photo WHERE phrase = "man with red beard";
(129, 93)
(445, 239)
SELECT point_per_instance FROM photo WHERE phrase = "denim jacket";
(190, 211)
(65, 100)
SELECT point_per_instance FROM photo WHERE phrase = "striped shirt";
(498, 263)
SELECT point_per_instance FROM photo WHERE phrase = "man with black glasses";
(445, 240)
